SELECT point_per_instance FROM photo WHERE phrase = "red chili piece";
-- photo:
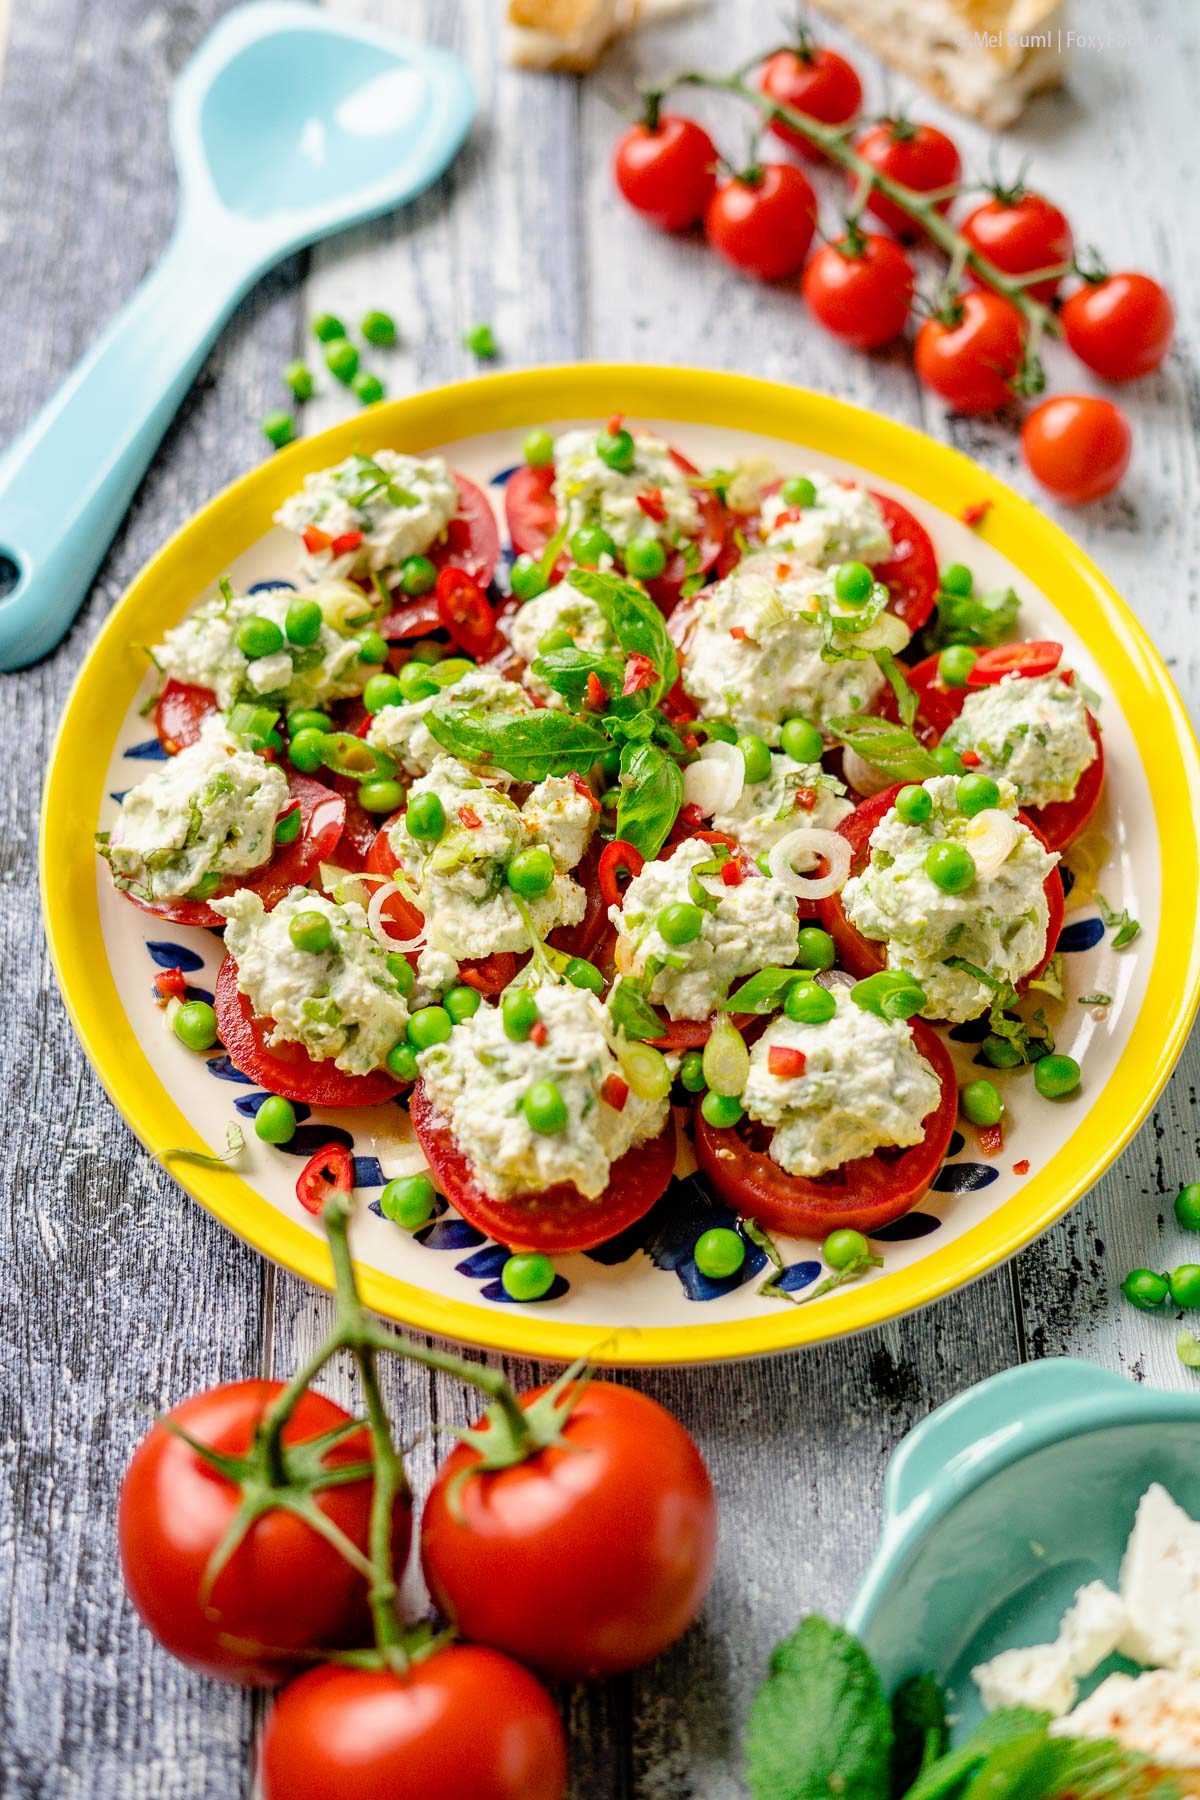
(348, 541)
(991, 1139)
(615, 1092)
(785, 1062)
(470, 818)
(652, 504)
(977, 512)
(464, 610)
(538, 1033)
(170, 984)
(315, 539)
(581, 787)
(731, 874)
(330, 1171)
(806, 799)
(617, 858)
(597, 693)
(1022, 1167)
(640, 673)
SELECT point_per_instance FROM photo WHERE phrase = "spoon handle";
(66, 482)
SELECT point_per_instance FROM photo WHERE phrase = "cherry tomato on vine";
(762, 222)
(1020, 231)
(1077, 446)
(586, 1559)
(815, 81)
(860, 288)
(918, 156)
(284, 1589)
(667, 171)
(972, 358)
(461, 1724)
(1121, 326)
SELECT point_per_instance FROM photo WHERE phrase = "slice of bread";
(572, 35)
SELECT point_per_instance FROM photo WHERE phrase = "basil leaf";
(819, 1724)
(632, 1013)
(764, 992)
(651, 793)
(920, 1729)
(528, 745)
(972, 618)
(636, 621)
(906, 700)
(888, 747)
(567, 671)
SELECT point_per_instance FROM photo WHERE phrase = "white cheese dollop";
(845, 524)
(794, 795)
(401, 504)
(1033, 730)
(560, 608)
(203, 650)
(587, 492)
(404, 734)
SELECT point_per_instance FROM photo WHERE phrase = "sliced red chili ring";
(329, 1171)
(1040, 657)
(617, 858)
(464, 610)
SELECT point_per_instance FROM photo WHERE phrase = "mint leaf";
(972, 618)
(636, 621)
(951, 1774)
(651, 793)
(819, 1724)
(764, 992)
(892, 749)
(1105, 1771)
(528, 745)
(920, 1730)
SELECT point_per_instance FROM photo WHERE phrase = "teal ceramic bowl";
(1004, 1502)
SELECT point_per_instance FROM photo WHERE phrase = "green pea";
(1187, 1206)
(721, 1110)
(798, 490)
(272, 741)
(914, 804)
(372, 648)
(617, 449)
(999, 1053)
(527, 578)
(299, 377)
(841, 1248)
(948, 760)
(955, 664)
(417, 575)
(327, 327)
(544, 1108)
(303, 621)
(425, 818)
(481, 342)
(287, 828)
(432, 1025)
(531, 872)
(680, 923)
(311, 931)
(527, 1276)
(381, 691)
(981, 1102)
(584, 974)
(756, 757)
(450, 669)
(645, 558)
(809, 1004)
(957, 579)
(367, 388)
(976, 793)
(307, 718)
(462, 1003)
(408, 1201)
(427, 651)
(402, 1062)
(306, 751)
(691, 1072)
(1185, 1286)
(950, 867)
(258, 637)
(341, 359)
(1054, 1076)
(401, 972)
(518, 1014)
(381, 796)
(853, 583)
(1146, 1289)
(590, 543)
(195, 1025)
(378, 328)
(275, 1120)
(416, 682)
(279, 428)
(815, 948)
(801, 741)
(538, 449)
(719, 1252)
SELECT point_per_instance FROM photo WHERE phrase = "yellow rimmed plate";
(648, 1307)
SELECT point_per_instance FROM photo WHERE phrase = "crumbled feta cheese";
(998, 925)
(342, 1003)
(844, 524)
(794, 795)
(1160, 1584)
(203, 649)
(1033, 730)
(588, 493)
(745, 928)
(1157, 1713)
(560, 608)
(1092, 1627)
(403, 733)
(401, 504)
(864, 1086)
(1037, 1676)
(479, 1076)
(208, 812)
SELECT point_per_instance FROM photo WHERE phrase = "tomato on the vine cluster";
(860, 288)
(667, 170)
(973, 356)
(762, 222)
(1078, 446)
(1020, 231)
(815, 81)
(917, 156)
(1121, 325)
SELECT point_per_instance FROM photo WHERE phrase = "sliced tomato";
(991, 666)
(911, 571)
(490, 975)
(403, 919)
(666, 589)
(180, 711)
(862, 1195)
(864, 956)
(287, 1069)
(582, 939)
(360, 829)
(322, 819)
(415, 619)
(560, 1218)
(693, 1034)
(472, 540)
(530, 508)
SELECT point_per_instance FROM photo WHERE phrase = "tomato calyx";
(512, 1434)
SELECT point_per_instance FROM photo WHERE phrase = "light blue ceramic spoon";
(286, 125)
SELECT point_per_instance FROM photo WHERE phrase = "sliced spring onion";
(726, 1059)
(807, 843)
(375, 925)
(645, 1069)
(991, 837)
(863, 776)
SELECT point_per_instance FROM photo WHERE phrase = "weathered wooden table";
(119, 1295)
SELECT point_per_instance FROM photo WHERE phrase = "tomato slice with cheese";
(179, 712)
(288, 1069)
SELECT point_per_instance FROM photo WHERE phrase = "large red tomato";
(1121, 326)
(762, 223)
(973, 357)
(860, 1196)
(667, 171)
(917, 156)
(287, 1068)
(814, 81)
(285, 1590)
(463, 1724)
(591, 1556)
(1021, 232)
(860, 289)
